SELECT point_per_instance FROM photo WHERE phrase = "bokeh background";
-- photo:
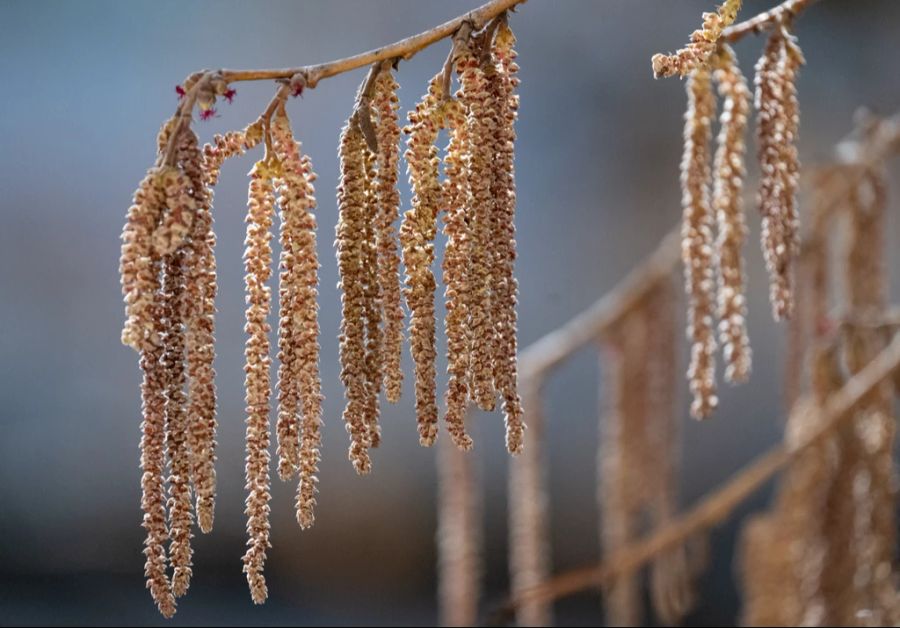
(85, 87)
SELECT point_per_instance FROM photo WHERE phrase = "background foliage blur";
(85, 88)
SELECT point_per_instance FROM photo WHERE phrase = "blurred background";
(85, 88)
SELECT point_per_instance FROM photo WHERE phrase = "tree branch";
(716, 507)
(786, 10)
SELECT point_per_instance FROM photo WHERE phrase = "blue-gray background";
(85, 86)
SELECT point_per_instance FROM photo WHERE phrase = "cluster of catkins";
(477, 199)
(168, 274)
(713, 227)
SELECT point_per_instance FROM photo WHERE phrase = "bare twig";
(785, 11)
(716, 507)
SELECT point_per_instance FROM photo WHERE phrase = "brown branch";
(716, 507)
(549, 351)
(403, 49)
(787, 10)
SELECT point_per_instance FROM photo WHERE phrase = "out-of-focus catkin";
(702, 46)
(385, 104)
(299, 319)
(698, 253)
(417, 240)
(777, 127)
(351, 252)
(503, 81)
(727, 204)
(258, 266)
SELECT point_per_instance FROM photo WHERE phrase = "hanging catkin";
(417, 239)
(351, 247)
(456, 269)
(258, 265)
(385, 104)
(153, 462)
(767, 575)
(777, 126)
(503, 81)
(697, 243)
(475, 99)
(373, 302)
(299, 383)
(727, 204)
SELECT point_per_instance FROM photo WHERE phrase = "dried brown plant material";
(456, 265)
(529, 523)
(696, 54)
(299, 383)
(385, 105)
(153, 461)
(417, 235)
(459, 537)
(138, 265)
(777, 128)
(769, 583)
(503, 81)
(258, 265)
(351, 254)
(175, 311)
(475, 98)
(697, 252)
(727, 204)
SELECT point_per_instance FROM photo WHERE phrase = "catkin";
(258, 266)
(137, 266)
(299, 382)
(777, 126)
(475, 98)
(456, 265)
(417, 240)
(373, 304)
(727, 203)
(385, 104)
(697, 252)
(153, 463)
(696, 54)
(502, 87)
(175, 310)
(350, 244)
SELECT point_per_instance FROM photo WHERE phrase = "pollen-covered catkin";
(727, 204)
(502, 89)
(697, 252)
(350, 233)
(373, 305)
(475, 98)
(697, 52)
(153, 461)
(777, 125)
(178, 214)
(299, 316)
(417, 235)
(258, 266)
(137, 266)
(455, 268)
(385, 105)
(175, 311)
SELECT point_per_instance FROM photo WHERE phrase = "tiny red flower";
(208, 114)
(180, 91)
(298, 90)
(229, 95)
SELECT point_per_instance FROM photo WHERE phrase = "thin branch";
(403, 49)
(716, 507)
(787, 10)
